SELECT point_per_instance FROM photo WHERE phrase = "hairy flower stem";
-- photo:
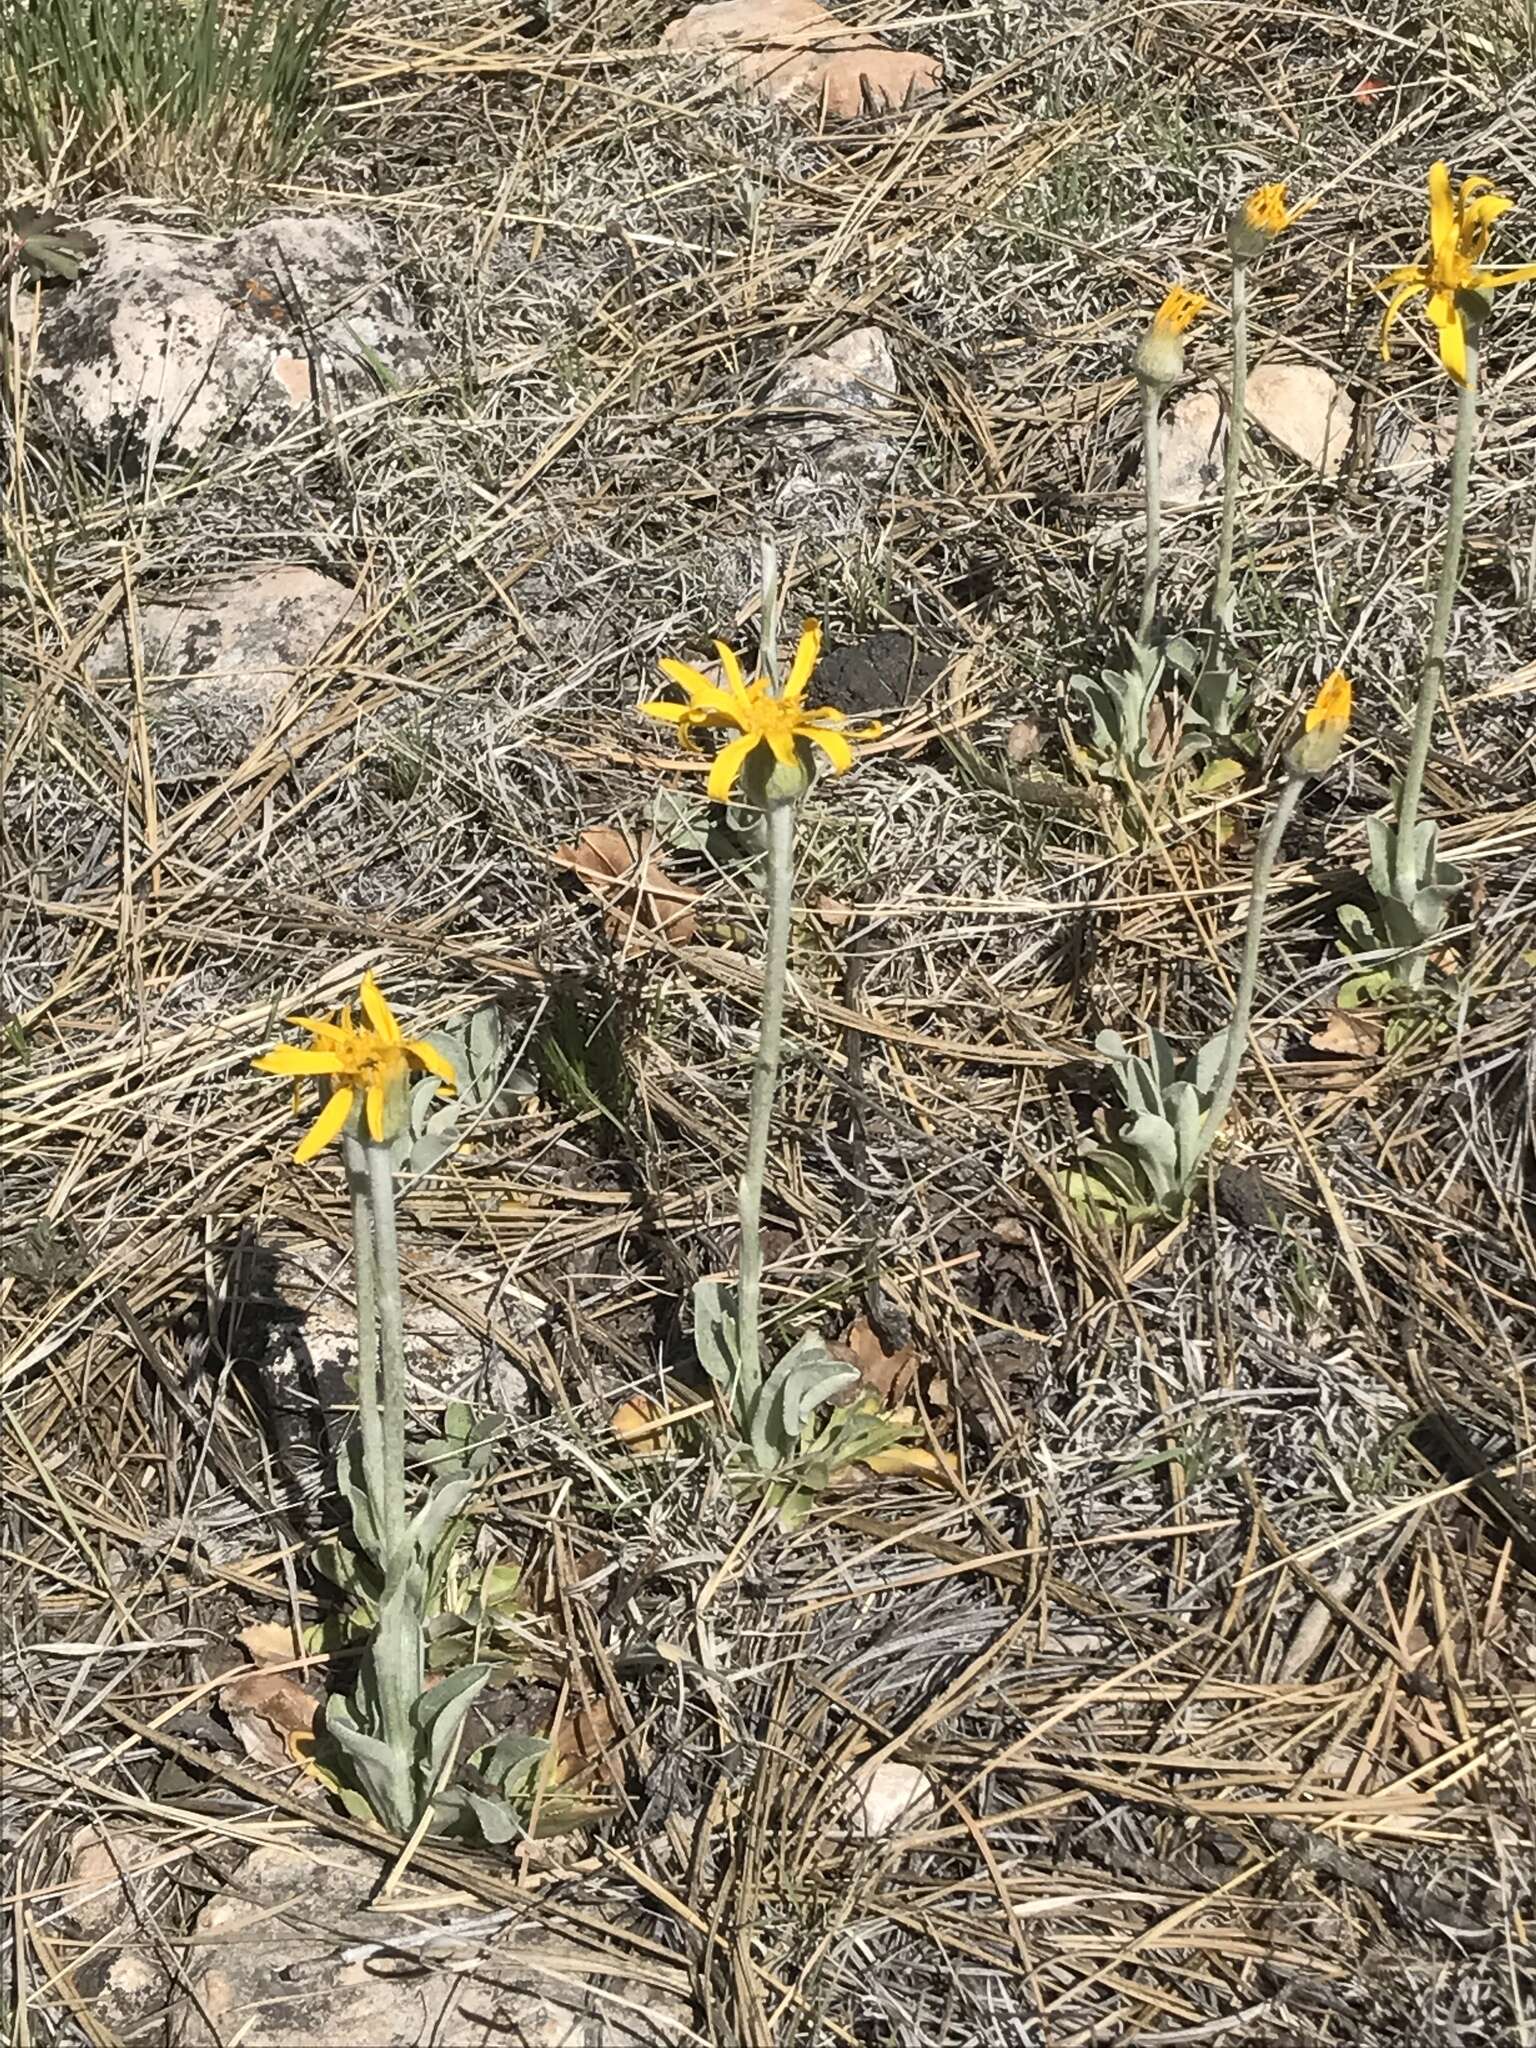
(1151, 410)
(1432, 675)
(1237, 422)
(368, 1414)
(381, 1200)
(1247, 981)
(765, 1073)
(393, 1662)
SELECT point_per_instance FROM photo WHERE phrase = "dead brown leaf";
(627, 874)
(270, 1642)
(267, 1710)
(793, 50)
(1348, 1033)
(586, 1748)
(887, 1373)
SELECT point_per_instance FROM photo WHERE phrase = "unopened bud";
(1322, 734)
(1159, 359)
(1262, 216)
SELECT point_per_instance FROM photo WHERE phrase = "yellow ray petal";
(297, 1059)
(783, 745)
(1492, 280)
(1442, 210)
(1453, 347)
(1395, 305)
(728, 765)
(703, 694)
(806, 656)
(835, 747)
(428, 1056)
(668, 712)
(730, 667)
(327, 1125)
(373, 1103)
(1406, 273)
(322, 1027)
(377, 1011)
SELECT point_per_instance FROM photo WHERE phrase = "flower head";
(370, 1061)
(1324, 727)
(1262, 215)
(1451, 278)
(762, 717)
(1159, 359)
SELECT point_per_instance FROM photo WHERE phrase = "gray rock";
(835, 422)
(169, 342)
(289, 1955)
(1191, 442)
(217, 664)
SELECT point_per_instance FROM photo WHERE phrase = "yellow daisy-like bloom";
(1262, 215)
(760, 715)
(371, 1060)
(1324, 727)
(1460, 229)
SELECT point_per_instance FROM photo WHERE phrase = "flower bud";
(1322, 735)
(1159, 358)
(767, 782)
(1262, 216)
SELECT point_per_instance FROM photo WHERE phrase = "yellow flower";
(1262, 215)
(760, 716)
(1324, 727)
(1460, 230)
(372, 1060)
(1159, 358)
(1330, 708)
(1179, 311)
(1266, 210)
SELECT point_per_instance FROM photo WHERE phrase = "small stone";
(794, 51)
(888, 1796)
(834, 423)
(1302, 408)
(1191, 438)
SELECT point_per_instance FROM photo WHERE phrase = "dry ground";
(1221, 1650)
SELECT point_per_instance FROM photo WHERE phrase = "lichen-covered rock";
(115, 1906)
(289, 1955)
(835, 424)
(166, 343)
(217, 663)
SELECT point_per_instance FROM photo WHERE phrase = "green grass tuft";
(165, 98)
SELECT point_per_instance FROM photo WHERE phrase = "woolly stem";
(1237, 423)
(765, 1073)
(1151, 409)
(1432, 675)
(1247, 981)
